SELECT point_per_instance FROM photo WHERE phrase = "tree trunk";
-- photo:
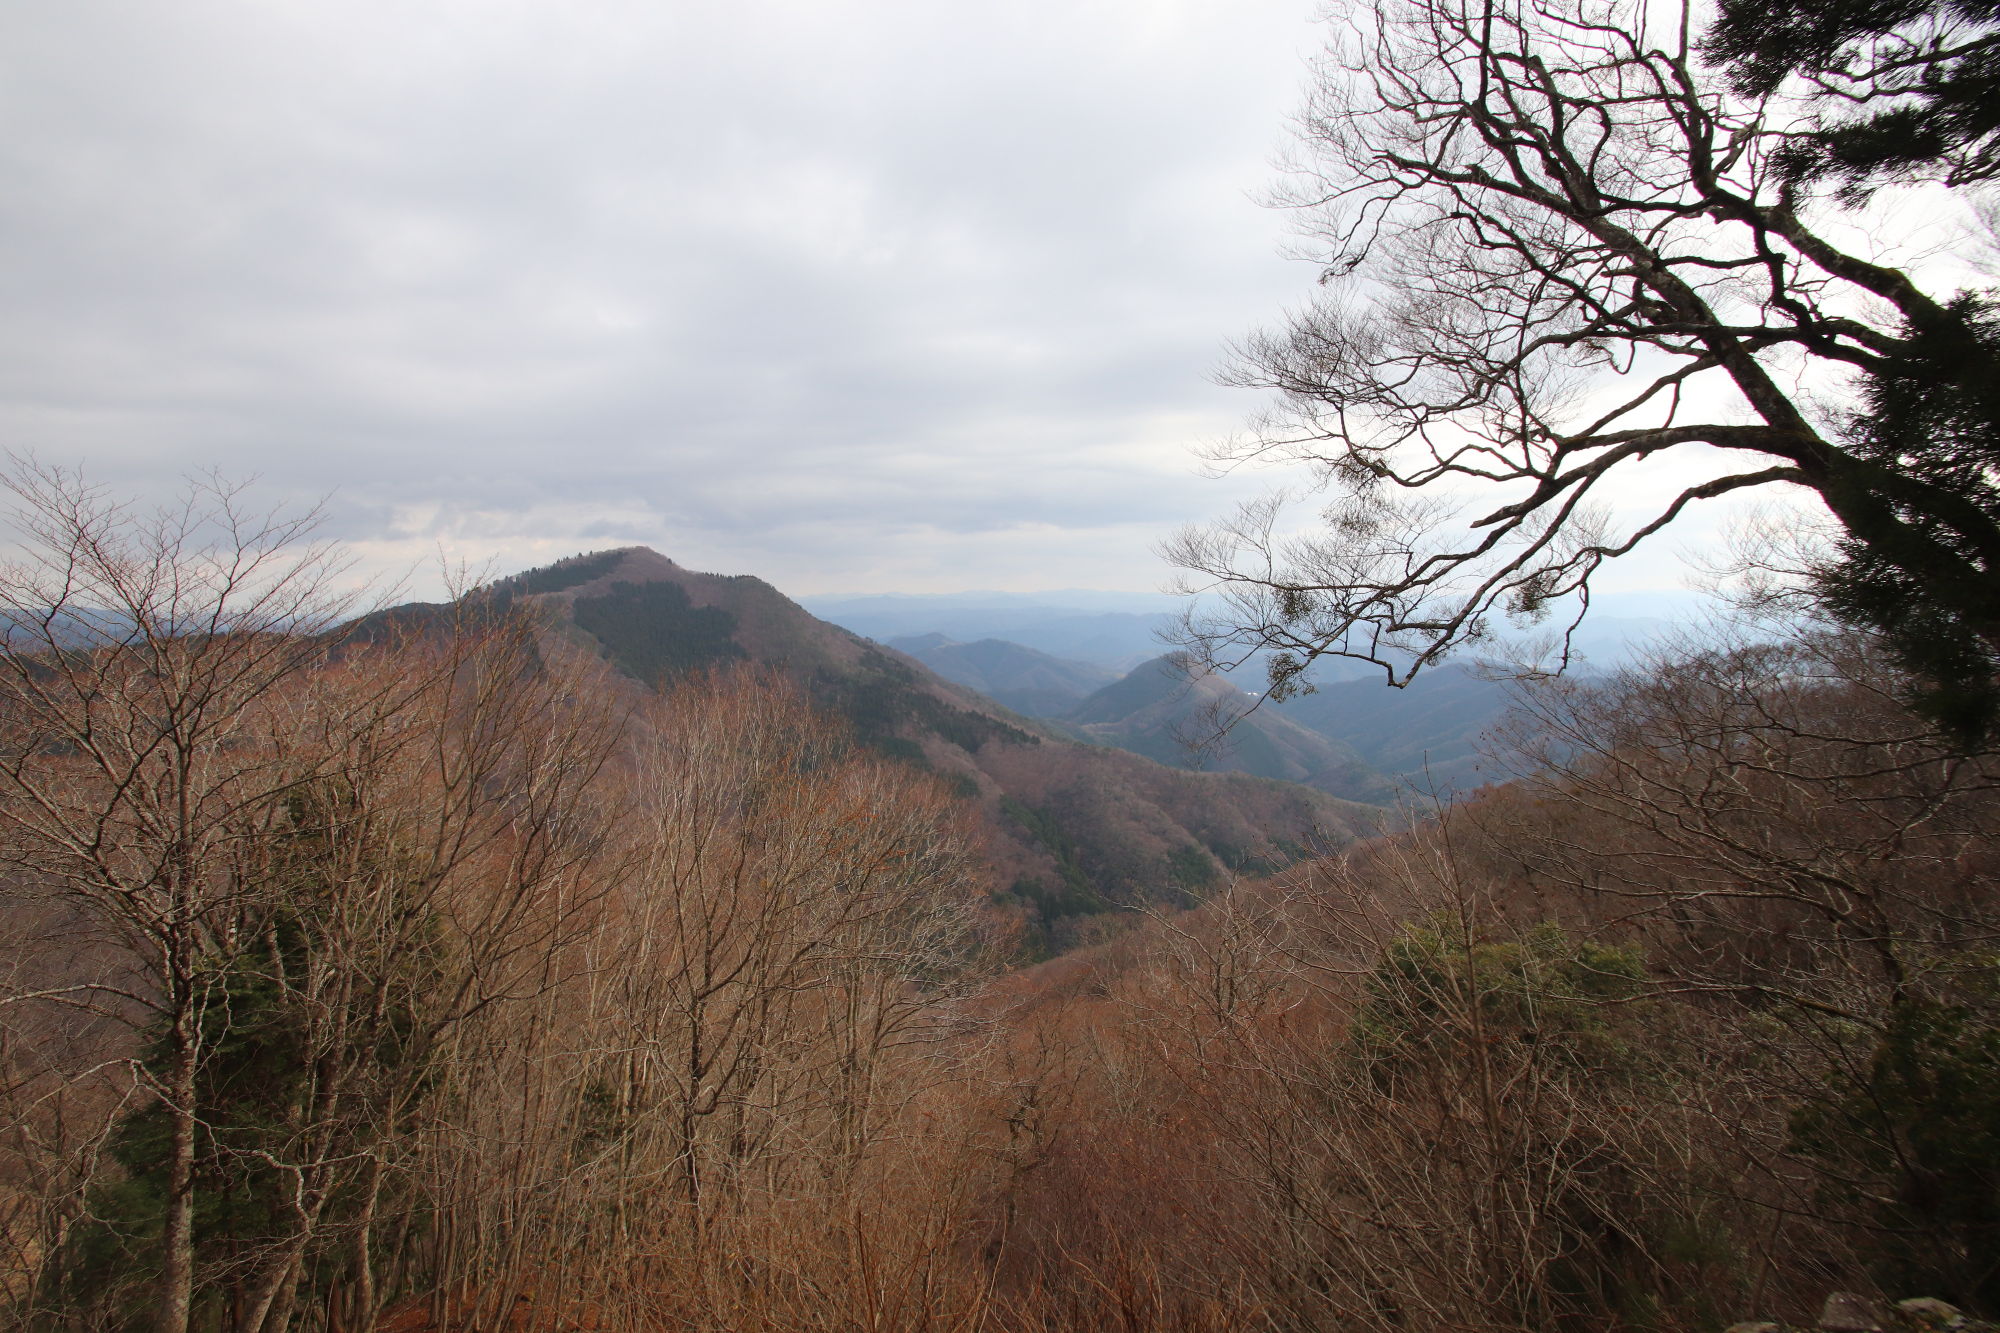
(363, 1299)
(177, 1240)
(272, 1284)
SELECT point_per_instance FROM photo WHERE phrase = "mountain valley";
(620, 946)
(1076, 824)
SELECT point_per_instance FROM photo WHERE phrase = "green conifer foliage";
(1924, 573)
(1912, 1135)
(1913, 85)
(287, 1087)
(1436, 989)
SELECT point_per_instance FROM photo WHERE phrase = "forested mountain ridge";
(1187, 718)
(1072, 830)
(1426, 733)
(1022, 678)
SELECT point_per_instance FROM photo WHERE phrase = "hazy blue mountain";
(1202, 720)
(1091, 600)
(1114, 631)
(1120, 630)
(1024, 680)
(1601, 643)
(1424, 734)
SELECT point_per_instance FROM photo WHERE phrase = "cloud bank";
(878, 295)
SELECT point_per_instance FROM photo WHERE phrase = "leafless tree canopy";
(1554, 249)
(413, 974)
(407, 962)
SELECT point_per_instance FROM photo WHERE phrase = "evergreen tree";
(1913, 1135)
(1930, 422)
(1914, 85)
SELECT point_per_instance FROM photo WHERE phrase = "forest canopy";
(423, 973)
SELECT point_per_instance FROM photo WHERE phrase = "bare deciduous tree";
(288, 856)
(1776, 801)
(139, 679)
(1553, 253)
(732, 1107)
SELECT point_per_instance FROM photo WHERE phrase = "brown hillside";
(1074, 830)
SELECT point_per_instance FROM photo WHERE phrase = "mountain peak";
(1168, 703)
(594, 571)
(1071, 828)
(642, 564)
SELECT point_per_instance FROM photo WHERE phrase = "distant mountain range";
(1111, 631)
(1334, 741)
(1167, 711)
(1119, 631)
(1072, 828)
(1027, 681)
(1101, 769)
(1425, 734)
(1355, 737)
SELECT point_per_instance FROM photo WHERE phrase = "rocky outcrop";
(1852, 1312)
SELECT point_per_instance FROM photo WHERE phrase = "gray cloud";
(876, 295)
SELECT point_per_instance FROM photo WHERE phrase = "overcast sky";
(857, 296)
